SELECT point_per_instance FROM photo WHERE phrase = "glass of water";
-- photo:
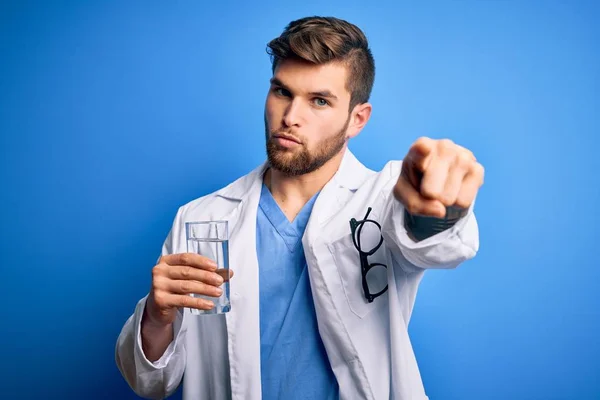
(211, 239)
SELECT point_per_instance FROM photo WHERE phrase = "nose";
(292, 116)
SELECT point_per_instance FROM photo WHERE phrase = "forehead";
(304, 77)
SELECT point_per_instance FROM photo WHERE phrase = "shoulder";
(221, 200)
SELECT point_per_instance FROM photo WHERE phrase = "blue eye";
(320, 102)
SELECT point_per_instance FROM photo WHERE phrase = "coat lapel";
(349, 177)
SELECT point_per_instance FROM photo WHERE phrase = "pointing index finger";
(420, 152)
(190, 259)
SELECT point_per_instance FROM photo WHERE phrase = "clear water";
(217, 250)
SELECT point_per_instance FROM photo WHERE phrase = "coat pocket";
(347, 260)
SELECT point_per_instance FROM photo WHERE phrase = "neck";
(292, 192)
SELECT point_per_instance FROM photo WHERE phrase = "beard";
(299, 160)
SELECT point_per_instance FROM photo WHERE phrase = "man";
(327, 254)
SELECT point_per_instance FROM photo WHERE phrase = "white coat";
(367, 343)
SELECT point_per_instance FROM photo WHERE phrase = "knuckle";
(412, 206)
(185, 286)
(159, 299)
(185, 259)
(463, 159)
(429, 191)
(470, 154)
(186, 272)
(448, 199)
(157, 272)
(159, 282)
(184, 301)
(208, 277)
(463, 202)
(203, 304)
(446, 144)
(201, 276)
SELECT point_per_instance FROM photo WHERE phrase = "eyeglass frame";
(365, 267)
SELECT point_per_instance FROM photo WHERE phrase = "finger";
(411, 173)
(225, 274)
(416, 204)
(470, 185)
(195, 287)
(453, 185)
(186, 301)
(185, 272)
(434, 178)
(469, 154)
(190, 259)
(420, 152)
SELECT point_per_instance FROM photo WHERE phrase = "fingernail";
(219, 291)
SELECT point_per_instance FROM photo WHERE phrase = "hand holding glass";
(211, 240)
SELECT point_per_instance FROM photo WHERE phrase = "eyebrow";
(320, 93)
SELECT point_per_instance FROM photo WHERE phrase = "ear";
(359, 117)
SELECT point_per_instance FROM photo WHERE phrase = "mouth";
(286, 138)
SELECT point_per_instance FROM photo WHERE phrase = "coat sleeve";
(159, 379)
(446, 249)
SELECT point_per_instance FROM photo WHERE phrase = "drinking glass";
(211, 239)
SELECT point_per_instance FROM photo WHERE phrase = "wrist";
(150, 323)
(421, 227)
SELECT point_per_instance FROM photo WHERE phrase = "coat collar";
(350, 175)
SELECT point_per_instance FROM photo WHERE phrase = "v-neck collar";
(290, 232)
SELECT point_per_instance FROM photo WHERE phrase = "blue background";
(113, 114)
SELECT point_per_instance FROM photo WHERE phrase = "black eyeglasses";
(356, 228)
